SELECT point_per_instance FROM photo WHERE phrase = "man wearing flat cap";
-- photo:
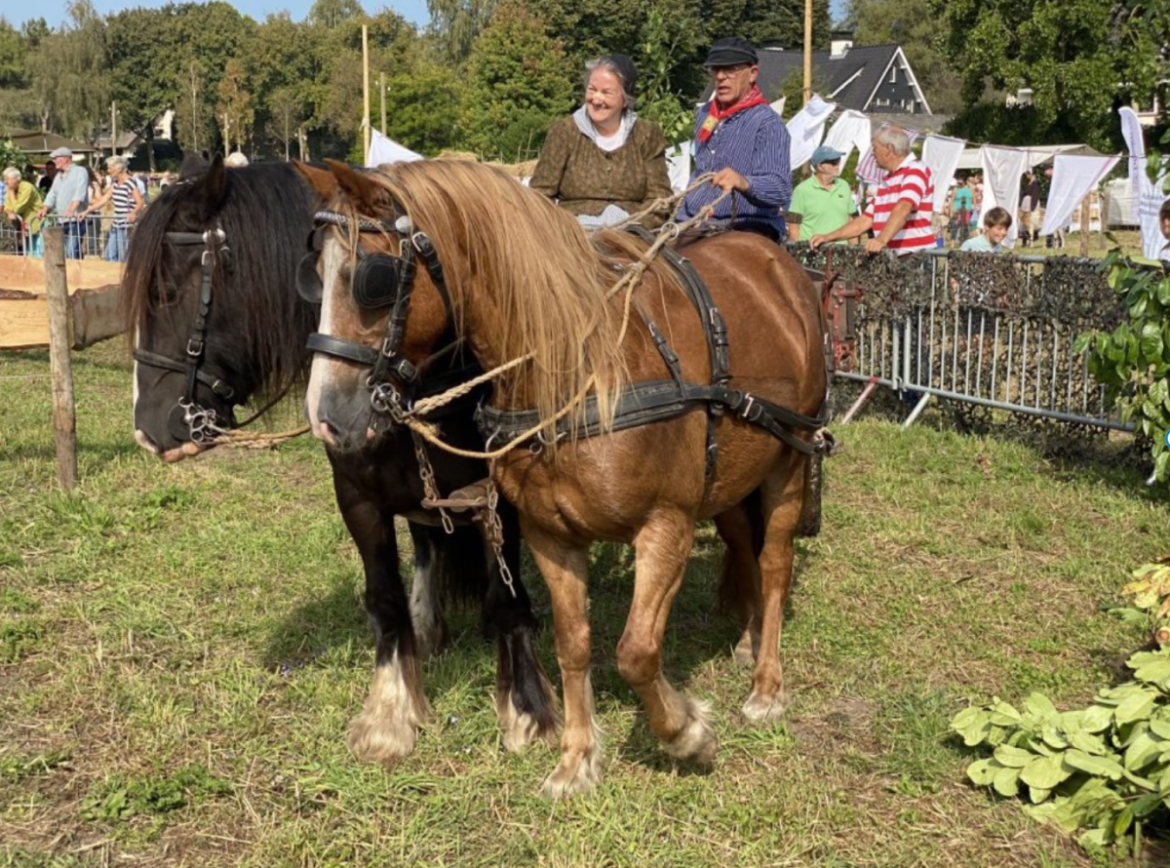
(740, 139)
(68, 197)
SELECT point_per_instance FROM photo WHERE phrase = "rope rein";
(628, 283)
(238, 438)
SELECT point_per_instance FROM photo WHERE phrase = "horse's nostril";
(326, 431)
(143, 440)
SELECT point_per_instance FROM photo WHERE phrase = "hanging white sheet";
(1002, 168)
(1073, 178)
(942, 154)
(806, 129)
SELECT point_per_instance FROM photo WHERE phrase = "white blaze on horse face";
(331, 259)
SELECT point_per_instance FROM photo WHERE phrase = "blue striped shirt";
(755, 143)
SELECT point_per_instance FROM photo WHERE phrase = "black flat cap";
(732, 51)
(626, 70)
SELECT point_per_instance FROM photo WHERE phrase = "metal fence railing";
(97, 236)
(990, 331)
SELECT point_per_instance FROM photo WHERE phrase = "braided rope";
(628, 283)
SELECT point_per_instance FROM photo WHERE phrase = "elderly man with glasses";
(740, 139)
(823, 202)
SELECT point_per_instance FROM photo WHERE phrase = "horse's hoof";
(745, 650)
(696, 741)
(575, 775)
(762, 708)
(430, 638)
(382, 741)
(520, 729)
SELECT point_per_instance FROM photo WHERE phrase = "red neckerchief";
(715, 114)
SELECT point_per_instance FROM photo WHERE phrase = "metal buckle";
(747, 407)
(195, 348)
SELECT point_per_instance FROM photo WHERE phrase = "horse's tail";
(460, 568)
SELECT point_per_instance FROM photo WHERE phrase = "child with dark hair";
(996, 224)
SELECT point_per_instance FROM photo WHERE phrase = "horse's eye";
(165, 294)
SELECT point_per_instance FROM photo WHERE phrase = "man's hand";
(816, 241)
(729, 179)
(875, 245)
(42, 212)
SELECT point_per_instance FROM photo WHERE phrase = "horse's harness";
(188, 419)
(380, 280)
(394, 381)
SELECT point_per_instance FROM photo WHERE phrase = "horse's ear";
(321, 180)
(193, 164)
(214, 186)
(366, 195)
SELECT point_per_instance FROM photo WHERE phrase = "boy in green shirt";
(823, 202)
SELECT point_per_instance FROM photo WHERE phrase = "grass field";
(181, 649)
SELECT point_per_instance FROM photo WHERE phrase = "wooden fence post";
(60, 367)
(1085, 218)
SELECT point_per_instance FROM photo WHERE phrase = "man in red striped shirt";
(901, 211)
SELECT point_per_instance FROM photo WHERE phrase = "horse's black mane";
(266, 212)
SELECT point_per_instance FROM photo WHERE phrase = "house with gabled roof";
(875, 79)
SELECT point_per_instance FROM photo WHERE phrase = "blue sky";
(53, 11)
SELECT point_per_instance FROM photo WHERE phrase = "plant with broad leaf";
(1150, 590)
(1103, 770)
(1133, 362)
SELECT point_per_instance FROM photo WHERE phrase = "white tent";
(384, 149)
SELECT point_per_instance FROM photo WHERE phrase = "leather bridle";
(189, 419)
(394, 380)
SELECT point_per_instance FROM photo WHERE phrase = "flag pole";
(366, 95)
(808, 26)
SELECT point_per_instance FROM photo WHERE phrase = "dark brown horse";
(252, 343)
(522, 278)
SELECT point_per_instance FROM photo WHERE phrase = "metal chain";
(494, 529)
(427, 474)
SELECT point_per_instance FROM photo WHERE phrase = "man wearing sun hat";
(822, 203)
(68, 197)
(740, 139)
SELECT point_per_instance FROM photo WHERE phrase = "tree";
(518, 83)
(140, 40)
(13, 57)
(69, 74)
(234, 108)
(1063, 50)
(422, 108)
(456, 24)
(913, 25)
(331, 13)
(284, 107)
(667, 44)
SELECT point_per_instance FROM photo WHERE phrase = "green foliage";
(422, 108)
(1150, 590)
(519, 82)
(1066, 51)
(119, 798)
(11, 155)
(457, 23)
(1103, 770)
(1133, 362)
(666, 43)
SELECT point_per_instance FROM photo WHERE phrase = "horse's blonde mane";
(544, 276)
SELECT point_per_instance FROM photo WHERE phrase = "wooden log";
(60, 369)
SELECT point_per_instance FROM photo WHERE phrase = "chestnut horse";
(519, 278)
